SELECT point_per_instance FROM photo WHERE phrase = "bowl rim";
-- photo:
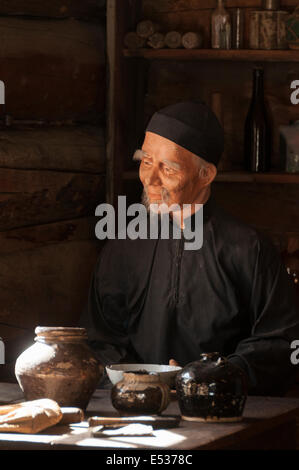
(113, 367)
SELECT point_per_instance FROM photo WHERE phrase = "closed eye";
(168, 170)
(146, 162)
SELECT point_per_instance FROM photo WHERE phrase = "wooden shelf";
(245, 55)
(246, 177)
(241, 177)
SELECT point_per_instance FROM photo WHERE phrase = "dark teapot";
(211, 389)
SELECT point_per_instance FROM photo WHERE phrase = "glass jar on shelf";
(220, 27)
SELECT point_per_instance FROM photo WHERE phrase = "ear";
(208, 174)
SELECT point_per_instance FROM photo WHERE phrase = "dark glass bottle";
(257, 139)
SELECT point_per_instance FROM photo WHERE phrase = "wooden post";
(121, 17)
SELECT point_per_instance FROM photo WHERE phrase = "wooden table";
(268, 423)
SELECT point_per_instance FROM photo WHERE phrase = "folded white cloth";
(29, 417)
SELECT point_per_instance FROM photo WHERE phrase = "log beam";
(67, 148)
(87, 9)
(53, 70)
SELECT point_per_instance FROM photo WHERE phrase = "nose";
(152, 178)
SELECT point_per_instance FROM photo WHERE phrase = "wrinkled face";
(168, 172)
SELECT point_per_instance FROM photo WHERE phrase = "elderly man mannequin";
(151, 301)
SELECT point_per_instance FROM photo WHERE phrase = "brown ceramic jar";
(140, 393)
(60, 366)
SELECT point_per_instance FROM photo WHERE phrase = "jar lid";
(211, 356)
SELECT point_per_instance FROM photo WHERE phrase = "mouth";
(154, 196)
(151, 197)
(151, 194)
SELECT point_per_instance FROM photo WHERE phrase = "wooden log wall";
(52, 69)
(52, 163)
(89, 9)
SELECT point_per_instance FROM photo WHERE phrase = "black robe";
(151, 301)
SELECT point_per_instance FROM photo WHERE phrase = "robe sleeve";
(274, 318)
(105, 316)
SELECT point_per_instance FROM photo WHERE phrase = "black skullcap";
(192, 125)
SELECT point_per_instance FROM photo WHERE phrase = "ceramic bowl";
(167, 373)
